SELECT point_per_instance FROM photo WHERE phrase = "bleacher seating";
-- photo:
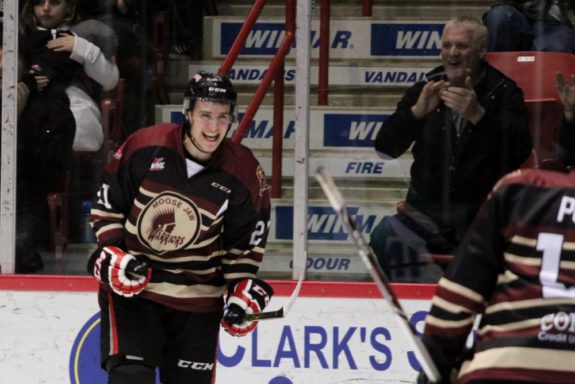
(364, 88)
(535, 73)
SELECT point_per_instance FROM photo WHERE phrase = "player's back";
(527, 331)
(538, 210)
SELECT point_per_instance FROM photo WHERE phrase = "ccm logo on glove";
(245, 297)
(126, 275)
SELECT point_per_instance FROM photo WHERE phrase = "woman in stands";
(60, 118)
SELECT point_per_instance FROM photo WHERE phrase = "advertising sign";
(335, 333)
(341, 128)
(347, 40)
(352, 76)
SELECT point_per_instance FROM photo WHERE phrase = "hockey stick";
(370, 260)
(139, 269)
(283, 311)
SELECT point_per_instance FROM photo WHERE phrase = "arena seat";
(534, 72)
(545, 118)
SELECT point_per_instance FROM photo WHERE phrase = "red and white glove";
(245, 297)
(126, 275)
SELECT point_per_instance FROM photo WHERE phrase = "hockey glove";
(126, 275)
(245, 297)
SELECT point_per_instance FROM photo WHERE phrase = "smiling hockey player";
(188, 211)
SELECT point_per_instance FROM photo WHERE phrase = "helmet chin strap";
(192, 140)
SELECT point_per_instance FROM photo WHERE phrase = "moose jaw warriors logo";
(169, 222)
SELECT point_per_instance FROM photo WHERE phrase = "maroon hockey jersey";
(515, 268)
(198, 226)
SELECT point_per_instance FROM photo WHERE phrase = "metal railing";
(323, 68)
(274, 73)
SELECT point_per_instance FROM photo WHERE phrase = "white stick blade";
(294, 294)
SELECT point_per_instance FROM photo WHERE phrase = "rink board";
(335, 333)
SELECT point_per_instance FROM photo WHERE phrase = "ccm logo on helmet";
(196, 365)
(217, 89)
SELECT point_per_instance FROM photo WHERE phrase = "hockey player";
(181, 217)
(514, 268)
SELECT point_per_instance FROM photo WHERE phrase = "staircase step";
(350, 38)
(380, 189)
(345, 165)
(336, 97)
(367, 84)
(391, 10)
(341, 140)
(324, 226)
(342, 73)
(324, 262)
(332, 128)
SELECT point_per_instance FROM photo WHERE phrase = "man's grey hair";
(474, 26)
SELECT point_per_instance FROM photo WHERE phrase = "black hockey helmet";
(209, 87)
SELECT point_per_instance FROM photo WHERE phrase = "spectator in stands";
(59, 119)
(28, 85)
(55, 42)
(187, 26)
(512, 267)
(130, 20)
(538, 25)
(467, 127)
(28, 82)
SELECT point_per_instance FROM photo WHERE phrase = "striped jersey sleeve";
(514, 273)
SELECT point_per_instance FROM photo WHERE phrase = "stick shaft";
(370, 260)
(266, 315)
(283, 311)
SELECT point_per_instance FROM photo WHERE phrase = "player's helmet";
(209, 87)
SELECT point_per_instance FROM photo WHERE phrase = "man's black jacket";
(451, 175)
